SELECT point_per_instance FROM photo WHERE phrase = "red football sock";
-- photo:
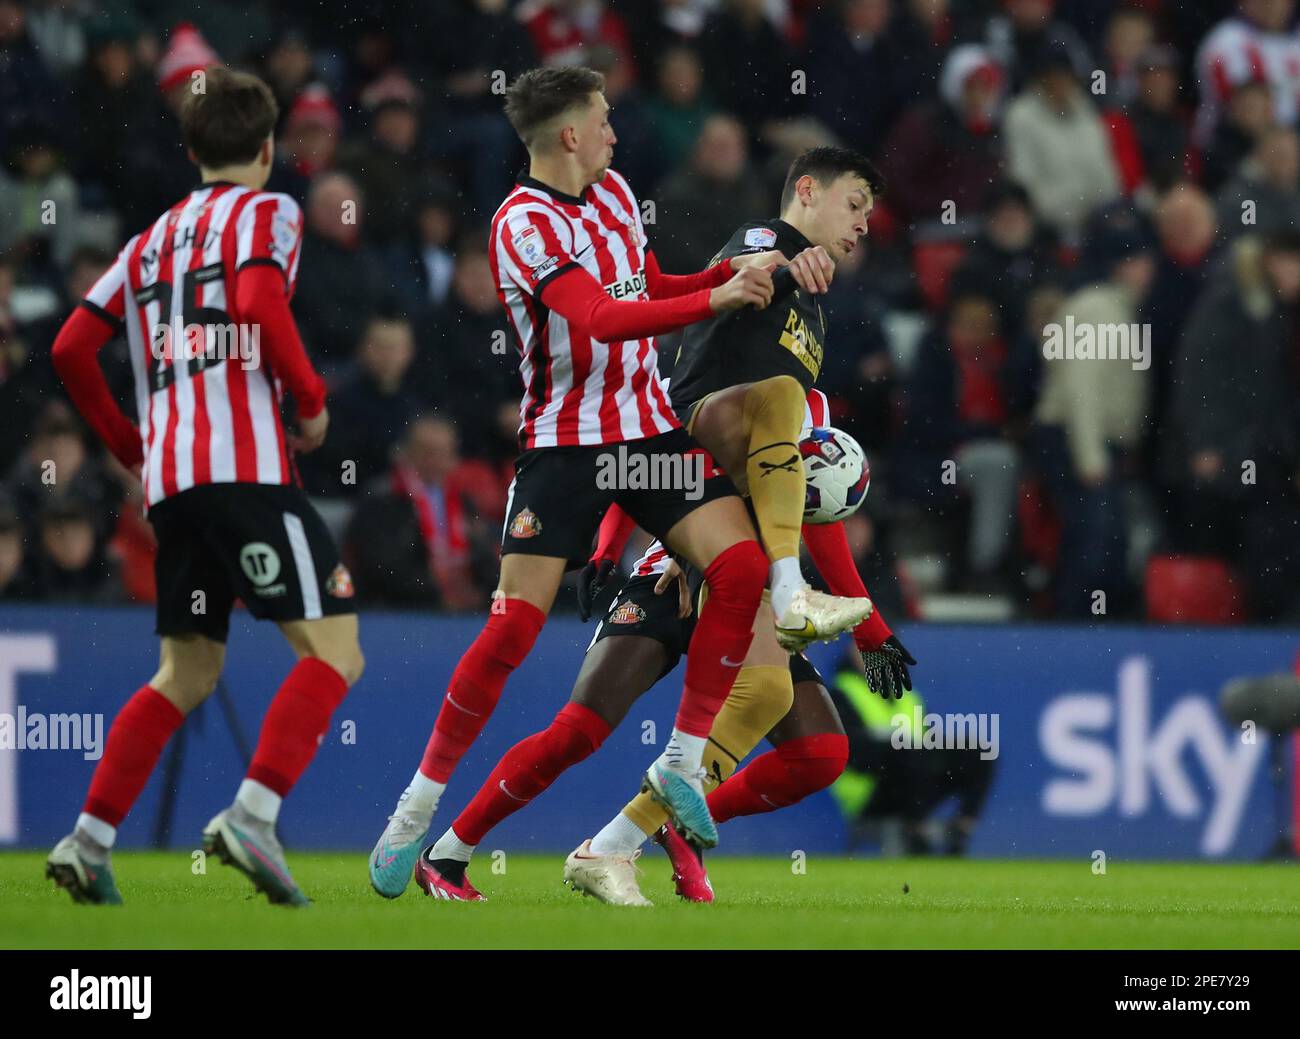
(781, 777)
(722, 634)
(476, 684)
(529, 767)
(135, 742)
(295, 723)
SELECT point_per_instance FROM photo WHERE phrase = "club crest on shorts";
(526, 524)
(339, 584)
(627, 613)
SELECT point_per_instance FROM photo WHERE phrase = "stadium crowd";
(1113, 163)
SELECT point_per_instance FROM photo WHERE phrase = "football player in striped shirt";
(585, 298)
(203, 296)
(643, 635)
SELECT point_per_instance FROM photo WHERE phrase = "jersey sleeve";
(107, 297)
(269, 231)
(534, 244)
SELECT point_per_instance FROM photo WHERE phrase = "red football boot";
(689, 874)
(435, 885)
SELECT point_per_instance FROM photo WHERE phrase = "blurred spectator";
(311, 134)
(1265, 194)
(925, 31)
(69, 563)
(486, 479)
(338, 277)
(947, 151)
(747, 62)
(388, 166)
(1019, 37)
(701, 206)
(1057, 145)
(1248, 118)
(15, 580)
(1233, 446)
(57, 466)
(1157, 119)
(679, 106)
(563, 31)
(857, 78)
(1255, 43)
(1129, 33)
(476, 46)
(39, 206)
(958, 409)
(1013, 256)
(288, 68)
(420, 263)
(425, 556)
(469, 363)
(1185, 228)
(1092, 411)
(108, 93)
(28, 90)
(368, 412)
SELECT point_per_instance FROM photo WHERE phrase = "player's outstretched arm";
(615, 529)
(74, 357)
(665, 286)
(576, 296)
(260, 298)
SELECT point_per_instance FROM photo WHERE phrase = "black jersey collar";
(524, 180)
(792, 233)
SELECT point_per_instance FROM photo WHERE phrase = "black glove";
(590, 584)
(886, 668)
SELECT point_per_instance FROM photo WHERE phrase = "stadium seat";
(934, 263)
(1192, 590)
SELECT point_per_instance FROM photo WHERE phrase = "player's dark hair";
(826, 163)
(226, 123)
(539, 95)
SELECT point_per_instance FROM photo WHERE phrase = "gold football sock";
(773, 416)
(760, 698)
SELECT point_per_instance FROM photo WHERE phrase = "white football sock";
(784, 578)
(449, 846)
(421, 796)
(97, 830)
(684, 752)
(621, 836)
(261, 802)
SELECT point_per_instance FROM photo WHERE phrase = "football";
(837, 473)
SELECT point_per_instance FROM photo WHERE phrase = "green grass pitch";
(836, 904)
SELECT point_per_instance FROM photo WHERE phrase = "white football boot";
(610, 878)
(814, 616)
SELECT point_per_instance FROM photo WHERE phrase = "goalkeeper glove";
(885, 668)
(591, 582)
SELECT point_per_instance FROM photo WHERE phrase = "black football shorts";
(262, 543)
(560, 494)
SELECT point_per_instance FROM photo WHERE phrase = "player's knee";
(780, 395)
(350, 663)
(576, 733)
(815, 762)
(509, 635)
(738, 574)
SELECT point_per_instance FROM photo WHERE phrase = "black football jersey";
(749, 345)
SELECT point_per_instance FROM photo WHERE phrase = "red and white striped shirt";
(577, 390)
(816, 413)
(208, 414)
(1236, 51)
